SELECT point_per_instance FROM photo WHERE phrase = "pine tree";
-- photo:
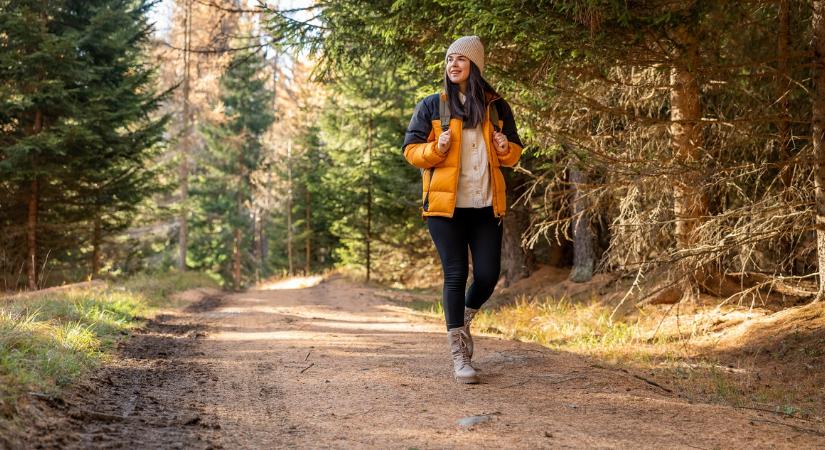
(76, 108)
(223, 232)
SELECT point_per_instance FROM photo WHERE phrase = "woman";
(460, 138)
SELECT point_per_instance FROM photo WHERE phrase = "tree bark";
(818, 124)
(584, 255)
(257, 223)
(308, 257)
(517, 262)
(369, 196)
(32, 214)
(289, 207)
(263, 239)
(183, 225)
(690, 204)
(783, 87)
(31, 235)
(236, 260)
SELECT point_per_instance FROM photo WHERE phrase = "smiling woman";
(461, 137)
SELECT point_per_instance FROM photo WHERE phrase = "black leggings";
(479, 229)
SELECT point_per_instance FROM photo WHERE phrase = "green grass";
(48, 340)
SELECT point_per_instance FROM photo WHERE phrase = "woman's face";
(458, 68)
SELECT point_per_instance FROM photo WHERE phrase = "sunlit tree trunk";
(369, 196)
(690, 204)
(308, 257)
(257, 223)
(183, 228)
(289, 208)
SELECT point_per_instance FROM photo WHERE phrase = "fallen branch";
(789, 425)
(652, 383)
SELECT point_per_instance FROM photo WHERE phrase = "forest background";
(672, 148)
(674, 143)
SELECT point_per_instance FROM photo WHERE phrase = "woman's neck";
(462, 87)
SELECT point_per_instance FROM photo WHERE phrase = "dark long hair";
(472, 111)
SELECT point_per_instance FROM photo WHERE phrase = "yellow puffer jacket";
(440, 180)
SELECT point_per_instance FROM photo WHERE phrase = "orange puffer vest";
(440, 177)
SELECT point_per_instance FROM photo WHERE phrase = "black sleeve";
(420, 125)
(509, 126)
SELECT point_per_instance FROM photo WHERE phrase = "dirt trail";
(337, 366)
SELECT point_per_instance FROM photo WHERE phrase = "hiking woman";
(460, 138)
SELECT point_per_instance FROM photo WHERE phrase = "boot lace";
(462, 342)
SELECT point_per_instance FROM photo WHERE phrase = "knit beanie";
(471, 47)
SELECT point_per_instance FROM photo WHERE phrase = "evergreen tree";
(75, 112)
(222, 232)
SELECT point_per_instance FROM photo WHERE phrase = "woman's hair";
(473, 109)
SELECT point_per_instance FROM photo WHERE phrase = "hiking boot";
(462, 370)
(469, 313)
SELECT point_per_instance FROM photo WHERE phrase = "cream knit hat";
(471, 47)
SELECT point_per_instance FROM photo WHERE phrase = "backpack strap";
(444, 112)
(494, 116)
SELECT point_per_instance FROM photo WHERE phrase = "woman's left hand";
(500, 143)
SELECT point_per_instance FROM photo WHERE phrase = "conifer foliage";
(77, 129)
(672, 142)
(222, 237)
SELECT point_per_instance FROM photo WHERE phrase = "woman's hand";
(444, 142)
(501, 143)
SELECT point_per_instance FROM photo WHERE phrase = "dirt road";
(337, 366)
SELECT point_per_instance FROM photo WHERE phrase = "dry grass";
(742, 357)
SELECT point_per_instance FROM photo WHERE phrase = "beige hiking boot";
(462, 370)
(469, 313)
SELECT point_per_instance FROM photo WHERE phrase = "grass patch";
(47, 340)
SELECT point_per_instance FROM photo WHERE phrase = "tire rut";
(152, 394)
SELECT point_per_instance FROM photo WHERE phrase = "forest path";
(335, 365)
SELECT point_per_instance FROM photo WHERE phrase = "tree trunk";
(308, 257)
(369, 196)
(783, 86)
(96, 238)
(31, 235)
(517, 262)
(584, 255)
(289, 207)
(183, 225)
(236, 266)
(690, 205)
(32, 213)
(265, 211)
(256, 238)
(818, 119)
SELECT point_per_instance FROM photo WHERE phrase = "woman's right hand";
(444, 142)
